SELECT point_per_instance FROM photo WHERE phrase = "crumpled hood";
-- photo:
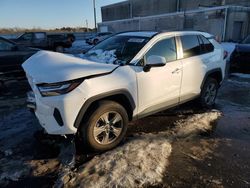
(52, 67)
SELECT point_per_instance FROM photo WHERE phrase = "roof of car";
(139, 33)
(153, 33)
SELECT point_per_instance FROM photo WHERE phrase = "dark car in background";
(240, 58)
(42, 40)
(12, 55)
(98, 37)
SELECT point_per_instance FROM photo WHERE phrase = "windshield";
(118, 49)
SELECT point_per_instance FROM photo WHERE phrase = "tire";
(95, 41)
(59, 49)
(98, 132)
(208, 93)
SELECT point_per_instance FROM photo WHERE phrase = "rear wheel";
(105, 127)
(209, 93)
(59, 49)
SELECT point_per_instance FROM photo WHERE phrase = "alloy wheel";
(108, 128)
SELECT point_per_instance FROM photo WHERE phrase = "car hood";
(52, 67)
(242, 48)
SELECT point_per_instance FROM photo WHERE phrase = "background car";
(42, 40)
(240, 58)
(12, 56)
(98, 37)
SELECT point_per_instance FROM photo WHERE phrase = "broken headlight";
(59, 88)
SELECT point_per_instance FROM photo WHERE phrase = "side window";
(206, 46)
(5, 46)
(40, 35)
(190, 45)
(27, 36)
(165, 48)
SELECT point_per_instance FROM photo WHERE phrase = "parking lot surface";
(182, 147)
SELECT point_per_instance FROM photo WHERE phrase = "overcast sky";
(49, 13)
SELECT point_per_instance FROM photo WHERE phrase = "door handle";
(176, 71)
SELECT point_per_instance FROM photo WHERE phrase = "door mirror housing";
(154, 61)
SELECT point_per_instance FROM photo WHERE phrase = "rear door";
(194, 67)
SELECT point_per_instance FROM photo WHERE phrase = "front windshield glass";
(118, 49)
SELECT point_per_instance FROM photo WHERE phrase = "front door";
(159, 88)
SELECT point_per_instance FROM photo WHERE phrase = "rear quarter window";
(40, 35)
(206, 45)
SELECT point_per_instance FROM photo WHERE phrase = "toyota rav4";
(123, 78)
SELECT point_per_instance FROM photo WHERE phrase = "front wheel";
(59, 49)
(209, 93)
(105, 127)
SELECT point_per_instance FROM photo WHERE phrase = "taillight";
(225, 54)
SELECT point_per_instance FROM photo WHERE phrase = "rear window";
(190, 45)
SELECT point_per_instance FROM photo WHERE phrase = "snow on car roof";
(139, 33)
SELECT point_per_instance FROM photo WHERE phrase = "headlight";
(59, 88)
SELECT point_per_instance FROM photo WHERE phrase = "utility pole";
(178, 6)
(94, 14)
(131, 9)
(87, 25)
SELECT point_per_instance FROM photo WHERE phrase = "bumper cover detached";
(31, 101)
(56, 114)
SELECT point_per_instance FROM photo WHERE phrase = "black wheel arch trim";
(209, 73)
(93, 99)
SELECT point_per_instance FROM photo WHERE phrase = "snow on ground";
(229, 47)
(197, 124)
(140, 162)
(240, 75)
(238, 83)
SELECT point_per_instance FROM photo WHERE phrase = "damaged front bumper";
(31, 101)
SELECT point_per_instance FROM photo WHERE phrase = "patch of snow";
(241, 75)
(141, 161)
(228, 46)
(238, 82)
(101, 56)
(196, 124)
(8, 152)
(78, 46)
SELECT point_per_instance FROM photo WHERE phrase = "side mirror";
(154, 61)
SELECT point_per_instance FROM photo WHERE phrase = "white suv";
(125, 77)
